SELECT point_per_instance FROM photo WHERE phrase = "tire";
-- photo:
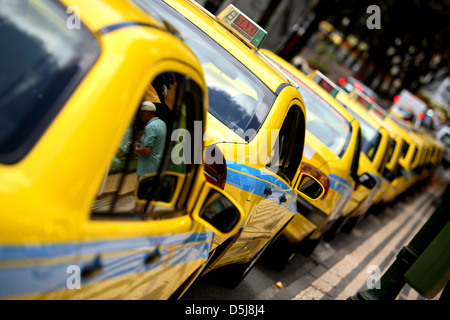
(234, 274)
(231, 276)
(350, 224)
(306, 247)
(334, 230)
(279, 254)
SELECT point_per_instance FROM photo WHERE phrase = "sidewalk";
(344, 270)
(338, 269)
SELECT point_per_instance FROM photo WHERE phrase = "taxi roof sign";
(329, 86)
(361, 98)
(242, 26)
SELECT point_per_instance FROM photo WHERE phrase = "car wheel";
(349, 225)
(232, 275)
(335, 228)
(307, 246)
(279, 254)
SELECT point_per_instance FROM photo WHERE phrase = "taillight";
(215, 169)
(319, 175)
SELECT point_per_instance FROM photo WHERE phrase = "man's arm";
(144, 151)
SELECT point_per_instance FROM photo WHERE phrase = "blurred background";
(402, 46)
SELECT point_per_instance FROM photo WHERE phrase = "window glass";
(414, 155)
(356, 155)
(385, 158)
(391, 149)
(405, 147)
(324, 122)
(41, 63)
(287, 152)
(237, 97)
(156, 151)
(446, 139)
(371, 138)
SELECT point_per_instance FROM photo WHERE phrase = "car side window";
(156, 153)
(41, 64)
(385, 157)
(356, 155)
(287, 152)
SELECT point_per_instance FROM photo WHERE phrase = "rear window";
(391, 149)
(324, 122)
(41, 62)
(371, 138)
(237, 98)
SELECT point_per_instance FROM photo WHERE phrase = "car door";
(149, 253)
(359, 193)
(273, 202)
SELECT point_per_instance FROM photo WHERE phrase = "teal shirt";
(155, 137)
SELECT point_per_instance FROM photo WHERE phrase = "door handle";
(152, 257)
(283, 198)
(267, 191)
(93, 269)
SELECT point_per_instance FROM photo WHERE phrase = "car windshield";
(237, 98)
(405, 114)
(324, 122)
(41, 62)
(446, 139)
(371, 138)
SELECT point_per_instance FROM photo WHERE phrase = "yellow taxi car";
(436, 147)
(71, 114)
(374, 133)
(257, 120)
(422, 163)
(375, 145)
(438, 151)
(331, 154)
(417, 173)
(407, 157)
(365, 189)
(424, 152)
(392, 169)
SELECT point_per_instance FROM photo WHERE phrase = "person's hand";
(137, 145)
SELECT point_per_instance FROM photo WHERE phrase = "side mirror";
(163, 189)
(367, 180)
(218, 211)
(310, 187)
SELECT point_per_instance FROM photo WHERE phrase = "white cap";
(148, 106)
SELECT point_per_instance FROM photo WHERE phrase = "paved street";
(338, 269)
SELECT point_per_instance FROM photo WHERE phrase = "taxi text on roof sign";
(325, 83)
(242, 26)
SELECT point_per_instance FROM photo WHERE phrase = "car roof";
(310, 83)
(242, 52)
(113, 12)
(360, 110)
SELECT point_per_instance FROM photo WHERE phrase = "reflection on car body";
(256, 119)
(331, 155)
(68, 182)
